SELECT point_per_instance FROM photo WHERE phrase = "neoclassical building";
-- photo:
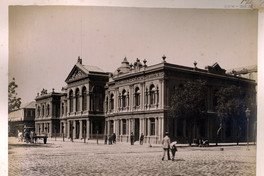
(134, 98)
(79, 106)
(138, 96)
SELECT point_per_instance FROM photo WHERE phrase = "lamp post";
(247, 116)
(63, 132)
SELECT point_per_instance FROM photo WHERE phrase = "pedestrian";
(132, 138)
(31, 136)
(27, 137)
(110, 140)
(173, 149)
(114, 138)
(105, 139)
(166, 145)
(141, 139)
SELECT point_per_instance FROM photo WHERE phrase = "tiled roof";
(28, 105)
(92, 68)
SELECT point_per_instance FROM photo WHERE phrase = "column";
(162, 127)
(50, 128)
(68, 129)
(74, 102)
(149, 98)
(116, 100)
(160, 136)
(114, 126)
(88, 128)
(156, 126)
(108, 127)
(148, 127)
(68, 105)
(65, 108)
(74, 130)
(141, 96)
(52, 114)
(162, 94)
(88, 101)
(81, 129)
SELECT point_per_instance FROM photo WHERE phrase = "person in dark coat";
(141, 139)
(132, 138)
(173, 149)
(110, 140)
(114, 138)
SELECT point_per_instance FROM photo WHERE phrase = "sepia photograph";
(133, 89)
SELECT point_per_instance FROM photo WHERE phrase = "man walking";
(166, 146)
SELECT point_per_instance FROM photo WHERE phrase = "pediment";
(76, 74)
(216, 69)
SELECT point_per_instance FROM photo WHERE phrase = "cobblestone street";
(78, 158)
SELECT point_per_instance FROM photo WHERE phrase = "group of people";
(168, 146)
(111, 139)
(28, 136)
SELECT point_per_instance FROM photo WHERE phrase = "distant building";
(249, 72)
(134, 98)
(20, 118)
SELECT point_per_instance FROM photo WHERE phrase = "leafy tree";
(188, 102)
(13, 101)
(232, 102)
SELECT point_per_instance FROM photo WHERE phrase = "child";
(173, 149)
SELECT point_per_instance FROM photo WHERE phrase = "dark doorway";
(136, 129)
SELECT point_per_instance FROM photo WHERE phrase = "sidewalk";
(101, 141)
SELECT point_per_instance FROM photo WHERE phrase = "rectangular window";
(124, 127)
(152, 126)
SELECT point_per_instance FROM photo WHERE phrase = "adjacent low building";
(21, 118)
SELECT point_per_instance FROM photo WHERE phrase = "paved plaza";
(78, 158)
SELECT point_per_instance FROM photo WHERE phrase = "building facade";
(79, 112)
(133, 100)
(21, 118)
(138, 97)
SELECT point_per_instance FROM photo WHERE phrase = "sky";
(45, 41)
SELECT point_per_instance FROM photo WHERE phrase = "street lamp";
(247, 116)
(63, 132)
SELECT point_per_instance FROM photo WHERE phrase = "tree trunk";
(218, 133)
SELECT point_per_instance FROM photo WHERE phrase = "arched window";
(137, 97)
(152, 94)
(106, 104)
(62, 108)
(84, 98)
(38, 111)
(111, 102)
(157, 90)
(123, 98)
(71, 100)
(43, 110)
(48, 110)
(77, 97)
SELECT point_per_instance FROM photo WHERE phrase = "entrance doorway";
(136, 129)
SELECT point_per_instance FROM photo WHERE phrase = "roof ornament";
(164, 58)
(145, 61)
(195, 64)
(79, 60)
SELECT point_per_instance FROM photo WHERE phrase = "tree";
(188, 101)
(232, 102)
(13, 101)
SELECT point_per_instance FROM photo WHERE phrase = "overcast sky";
(45, 42)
